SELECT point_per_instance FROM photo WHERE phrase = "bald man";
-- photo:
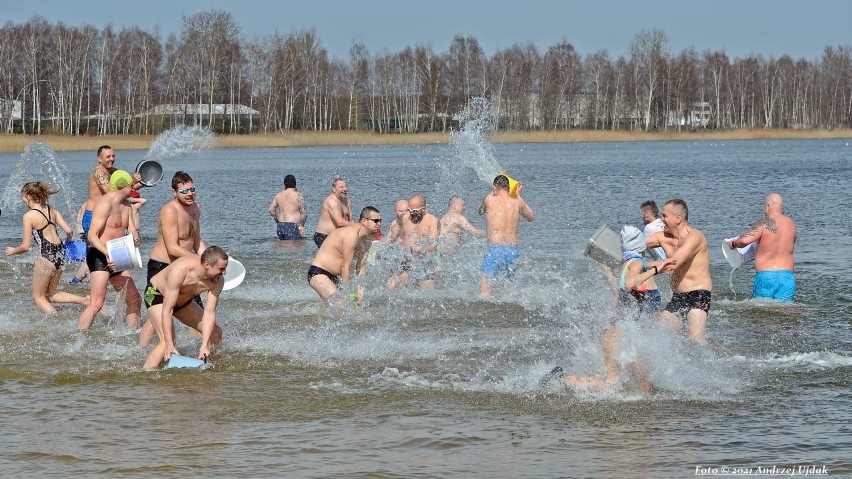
(773, 263)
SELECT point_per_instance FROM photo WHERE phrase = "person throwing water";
(773, 263)
(689, 264)
(502, 216)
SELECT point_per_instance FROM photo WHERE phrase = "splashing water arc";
(179, 140)
(475, 121)
(51, 170)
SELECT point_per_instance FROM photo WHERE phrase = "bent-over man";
(332, 265)
(173, 289)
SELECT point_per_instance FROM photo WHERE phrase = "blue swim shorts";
(780, 285)
(288, 231)
(87, 221)
(499, 258)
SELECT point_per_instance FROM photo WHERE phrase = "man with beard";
(173, 289)
(419, 236)
(336, 211)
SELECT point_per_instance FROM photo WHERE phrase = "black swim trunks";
(315, 270)
(682, 303)
(155, 266)
(153, 297)
(319, 238)
(97, 261)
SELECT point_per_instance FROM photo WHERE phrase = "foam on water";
(808, 361)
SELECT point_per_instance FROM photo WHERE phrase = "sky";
(770, 28)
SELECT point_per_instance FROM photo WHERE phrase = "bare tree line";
(56, 78)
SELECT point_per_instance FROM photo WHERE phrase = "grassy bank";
(16, 143)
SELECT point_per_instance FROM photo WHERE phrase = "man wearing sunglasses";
(332, 265)
(336, 211)
(419, 236)
(502, 216)
(178, 235)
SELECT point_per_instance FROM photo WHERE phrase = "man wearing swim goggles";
(179, 234)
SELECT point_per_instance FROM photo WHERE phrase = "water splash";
(50, 170)
(473, 150)
(178, 141)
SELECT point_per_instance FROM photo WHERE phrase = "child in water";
(48, 266)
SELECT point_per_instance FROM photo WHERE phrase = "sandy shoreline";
(16, 143)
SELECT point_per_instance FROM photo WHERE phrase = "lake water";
(444, 383)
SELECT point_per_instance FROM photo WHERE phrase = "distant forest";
(61, 79)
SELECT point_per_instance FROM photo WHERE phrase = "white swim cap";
(632, 239)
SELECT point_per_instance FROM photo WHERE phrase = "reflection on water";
(443, 382)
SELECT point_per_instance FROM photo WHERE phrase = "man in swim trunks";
(689, 265)
(419, 238)
(773, 264)
(288, 209)
(502, 217)
(172, 290)
(178, 235)
(335, 212)
(453, 223)
(331, 267)
(111, 218)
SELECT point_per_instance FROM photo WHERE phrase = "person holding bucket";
(111, 217)
(41, 224)
(503, 211)
(773, 263)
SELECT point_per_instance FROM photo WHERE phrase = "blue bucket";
(178, 361)
(75, 251)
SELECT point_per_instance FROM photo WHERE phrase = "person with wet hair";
(41, 226)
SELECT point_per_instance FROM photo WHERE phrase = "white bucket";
(123, 253)
(234, 274)
(739, 256)
(605, 247)
(150, 171)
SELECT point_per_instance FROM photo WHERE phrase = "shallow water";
(444, 383)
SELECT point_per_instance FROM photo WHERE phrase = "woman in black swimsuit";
(40, 227)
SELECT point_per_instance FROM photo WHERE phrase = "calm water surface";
(444, 383)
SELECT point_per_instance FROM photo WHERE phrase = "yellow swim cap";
(120, 179)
